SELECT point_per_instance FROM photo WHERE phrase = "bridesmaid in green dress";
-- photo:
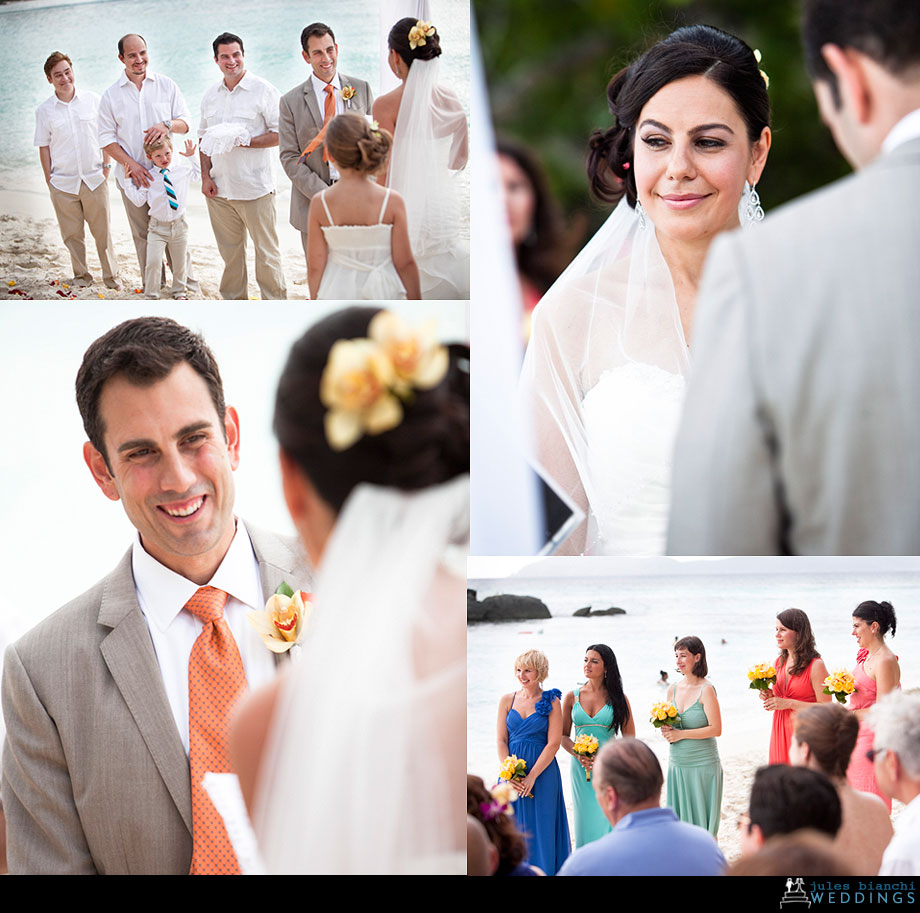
(598, 708)
(694, 769)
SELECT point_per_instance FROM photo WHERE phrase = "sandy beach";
(35, 264)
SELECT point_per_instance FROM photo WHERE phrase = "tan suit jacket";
(801, 429)
(300, 119)
(95, 777)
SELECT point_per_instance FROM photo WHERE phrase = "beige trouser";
(138, 219)
(163, 236)
(91, 207)
(231, 220)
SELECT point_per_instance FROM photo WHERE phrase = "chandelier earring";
(640, 212)
(749, 209)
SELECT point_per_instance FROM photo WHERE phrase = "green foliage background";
(548, 63)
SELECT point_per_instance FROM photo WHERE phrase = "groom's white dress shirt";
(906, 129)
(162, 593)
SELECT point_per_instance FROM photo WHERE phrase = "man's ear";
(100, 471)
(232, 430)
(848, 66)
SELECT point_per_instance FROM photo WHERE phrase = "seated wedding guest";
(500, 824)
(372, 419)
(481, 854)
(786, 799)
(358, 240)
(76, 168)
(166, 197)
(118, 704)
(804, 852)
(534, 221)
(646, 839)
(896, 755)
(823, 739)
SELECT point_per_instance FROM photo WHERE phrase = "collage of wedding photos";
(679, 485)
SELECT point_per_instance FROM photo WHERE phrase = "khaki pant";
(92, 208)
(231, 220)
(138, 219)
(163, 236)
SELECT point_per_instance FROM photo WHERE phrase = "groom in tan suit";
(801, 431)
(305, 110)
(96, 768)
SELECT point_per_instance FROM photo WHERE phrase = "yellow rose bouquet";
(514, 768)
(664, 713)
(762, 676)
(586, 745)
(841, 684)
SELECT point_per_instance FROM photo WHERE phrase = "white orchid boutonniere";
(348, 93)
(283, 621)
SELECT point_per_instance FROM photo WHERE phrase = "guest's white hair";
(896, 721)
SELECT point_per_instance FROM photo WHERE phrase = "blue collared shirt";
(649, 842)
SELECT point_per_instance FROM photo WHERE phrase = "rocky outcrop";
(504, 607)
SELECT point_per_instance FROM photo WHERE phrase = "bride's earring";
(750, 210)
(640, 212)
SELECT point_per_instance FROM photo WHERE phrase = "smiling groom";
(117, 704)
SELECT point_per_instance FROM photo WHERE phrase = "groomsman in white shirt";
(139, 107)
(236, 171)
(67, 136)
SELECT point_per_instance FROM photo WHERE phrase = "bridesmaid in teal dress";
(598, 708)
(694, 769)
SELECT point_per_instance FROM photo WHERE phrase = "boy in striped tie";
(167, 196)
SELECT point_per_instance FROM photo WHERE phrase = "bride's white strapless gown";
(631, 417)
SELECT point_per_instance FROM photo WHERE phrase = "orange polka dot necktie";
(216, 680)
(328, 114)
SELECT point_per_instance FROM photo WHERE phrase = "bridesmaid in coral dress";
(877, 672)
(800, 674)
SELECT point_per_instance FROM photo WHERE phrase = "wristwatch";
(168, 124)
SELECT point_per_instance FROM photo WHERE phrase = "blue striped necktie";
(170, 192)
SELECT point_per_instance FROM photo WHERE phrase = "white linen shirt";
(906, 129)
(902, 855)
(243, 173)
(162, 595)
(71, 132)
(126, 113)
(319, 90)
(181, 172)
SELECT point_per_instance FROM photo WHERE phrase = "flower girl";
(357, 234)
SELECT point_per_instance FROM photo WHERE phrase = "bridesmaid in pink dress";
(800, 674)
(877, 672)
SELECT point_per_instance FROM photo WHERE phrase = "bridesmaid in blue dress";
(530, 726)
(598, 708)
(694, 768)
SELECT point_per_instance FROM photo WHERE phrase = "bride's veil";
(429, 147)
(355, 777)
(614, 305)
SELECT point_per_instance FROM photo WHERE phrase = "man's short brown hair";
(143, 350)
(631, 768)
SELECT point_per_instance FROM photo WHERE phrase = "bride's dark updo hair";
(354, 143)
(430, 445)
(398, 40)
(696, 50)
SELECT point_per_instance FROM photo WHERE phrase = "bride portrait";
(611, 342)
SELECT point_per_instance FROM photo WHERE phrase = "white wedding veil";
(430, 145)
(614, 306)
(362, 772)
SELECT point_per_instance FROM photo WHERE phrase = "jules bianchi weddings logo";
(802, 893)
